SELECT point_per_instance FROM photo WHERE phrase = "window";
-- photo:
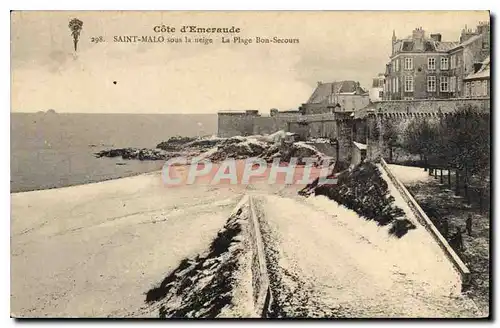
(453, 84)
(431, 84)
(396, 63)
(408, 63)
(397, 84)
(473, 89)
(453, 61)
(467, 89)
(444, 84)
(381, 94)
(459, 84)
(408, 98)
(408, 83)
(444, 63)
(431, 64)
(485, 88)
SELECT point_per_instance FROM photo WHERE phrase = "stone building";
(336, 96)
(467, 57)
(236, 123)
(419, 67)
(477, 84)
(422, 67)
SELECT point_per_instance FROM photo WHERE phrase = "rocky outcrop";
(265, 147)
(174, 143)
(143, 154)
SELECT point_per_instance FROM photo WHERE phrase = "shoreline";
(95, 249)
(131, 175)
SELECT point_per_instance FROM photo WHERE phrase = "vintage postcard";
(272, 164)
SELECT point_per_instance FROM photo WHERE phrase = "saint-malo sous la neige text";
(197, 34)
(186, 29)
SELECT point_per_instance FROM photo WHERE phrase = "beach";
(94, 250)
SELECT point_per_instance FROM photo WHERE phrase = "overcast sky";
(177, 78)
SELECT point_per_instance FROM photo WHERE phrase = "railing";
(260, 280)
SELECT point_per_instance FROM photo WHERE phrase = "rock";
(134, 153)
(174, 143)
(239, 149)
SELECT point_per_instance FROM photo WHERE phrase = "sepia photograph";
(250, 164)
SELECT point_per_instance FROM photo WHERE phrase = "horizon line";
(148, 113)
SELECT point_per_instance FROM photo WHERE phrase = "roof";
(324, 90)
(482, 73)
(445, 46)
(430, 45)
(467, 42)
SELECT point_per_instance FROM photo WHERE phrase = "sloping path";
(326, 261)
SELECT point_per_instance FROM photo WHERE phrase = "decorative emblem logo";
(75, 25)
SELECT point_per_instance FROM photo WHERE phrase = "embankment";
(364, 191)
(228, 280)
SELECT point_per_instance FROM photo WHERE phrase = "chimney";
(418, 38)
(483, 27)
(320, 83)
(466, 34)
(418, 33)
(436, 37)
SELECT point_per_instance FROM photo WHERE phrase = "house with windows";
(329, 97)
(422, 67)
(477, 84)
(468, 56)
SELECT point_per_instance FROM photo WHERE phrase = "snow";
(360, 145)
(342, 260)
(319, 140)
(304, 145)
(253, 141)
(409, 174)
(94, 250)
(217, 283)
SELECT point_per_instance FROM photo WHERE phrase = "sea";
(52, 150)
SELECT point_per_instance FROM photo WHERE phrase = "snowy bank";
(228, 280)
(365, 191)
